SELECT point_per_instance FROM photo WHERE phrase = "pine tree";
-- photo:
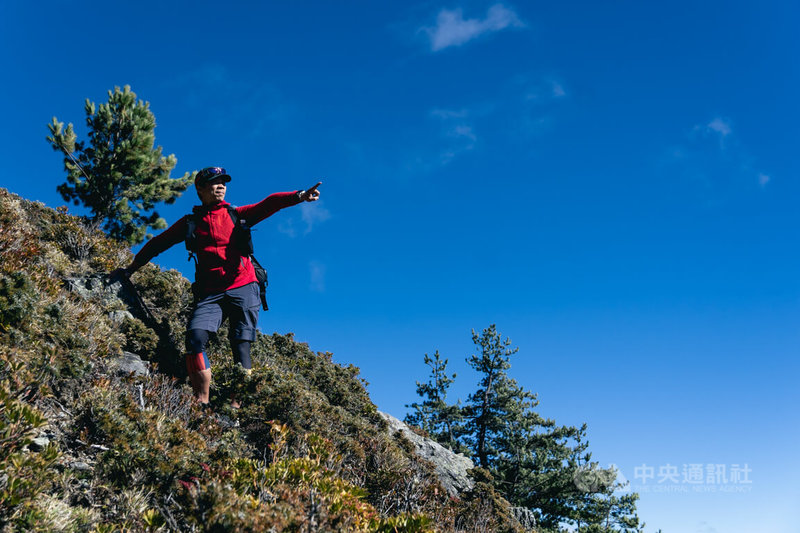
(533, 462)
(434, 415)
(118, 175)
(498, 403)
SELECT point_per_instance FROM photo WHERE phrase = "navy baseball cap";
(210, 173)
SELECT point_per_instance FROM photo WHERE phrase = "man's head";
(210, 184)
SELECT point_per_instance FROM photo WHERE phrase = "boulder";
(129, 363)
(451, 468)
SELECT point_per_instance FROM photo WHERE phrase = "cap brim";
(201, 183)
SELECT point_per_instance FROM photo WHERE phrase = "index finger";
(314, 188)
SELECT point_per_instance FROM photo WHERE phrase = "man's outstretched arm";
(273, 203)
(160, 243)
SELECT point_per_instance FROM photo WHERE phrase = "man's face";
(212, 192)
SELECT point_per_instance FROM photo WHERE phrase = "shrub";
(24, 473)
(17, 297)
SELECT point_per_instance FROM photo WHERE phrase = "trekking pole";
(138, 303)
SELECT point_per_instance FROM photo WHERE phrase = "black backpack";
(242, 240)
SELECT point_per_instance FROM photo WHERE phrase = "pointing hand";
(311, 194)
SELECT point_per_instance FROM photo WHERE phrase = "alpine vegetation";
(100, 431)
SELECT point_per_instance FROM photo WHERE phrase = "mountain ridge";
(90, 448)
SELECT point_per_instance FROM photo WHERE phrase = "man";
(225, 284)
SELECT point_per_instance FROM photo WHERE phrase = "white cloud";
(449, 113)
(720, 126)
(317, 274)
(286, 226)
(452, 29)
(312, 213)
(458, 133)
(542, 91)
(715, 156)
(464, 131)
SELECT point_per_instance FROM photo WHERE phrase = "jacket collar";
(203, 209)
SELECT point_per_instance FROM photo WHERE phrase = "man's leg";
(206, 318)
(197, 364)
(243, 305)
(241, 354)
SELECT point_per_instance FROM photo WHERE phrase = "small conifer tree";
(498, 402)
(118, 174)
(434, 415)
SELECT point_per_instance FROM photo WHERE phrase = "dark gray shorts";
(240, 305)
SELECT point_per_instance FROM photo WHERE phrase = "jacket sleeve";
(267, 207)
(161, 242)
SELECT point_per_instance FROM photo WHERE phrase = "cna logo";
(592, 478)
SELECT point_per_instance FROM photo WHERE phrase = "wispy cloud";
(317, 275)
(714, 153)
(544, 90)
(717, 128)
(229, 102)
(705, 527)
(449, 113)
(287, 227)
(508, 116)
(457, 132)
(525, 106)
(532, 103)
(452, 29)
(313, 214)
(720, 126)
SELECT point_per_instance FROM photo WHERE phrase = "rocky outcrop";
(115, 293)
(451, 468)
(118, 297)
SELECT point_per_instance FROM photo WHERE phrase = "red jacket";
(219, 265)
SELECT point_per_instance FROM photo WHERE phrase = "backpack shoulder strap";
(191, 227)
(190, 239)
(245, 240)
(233, 214)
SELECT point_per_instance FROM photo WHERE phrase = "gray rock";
(118, 317)
(451, 468)
(117, 296)
(97, 287)
(129, 363)
(80, 466)
(39, 443)
(525, 517)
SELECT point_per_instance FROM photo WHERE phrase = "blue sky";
(611, 183)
